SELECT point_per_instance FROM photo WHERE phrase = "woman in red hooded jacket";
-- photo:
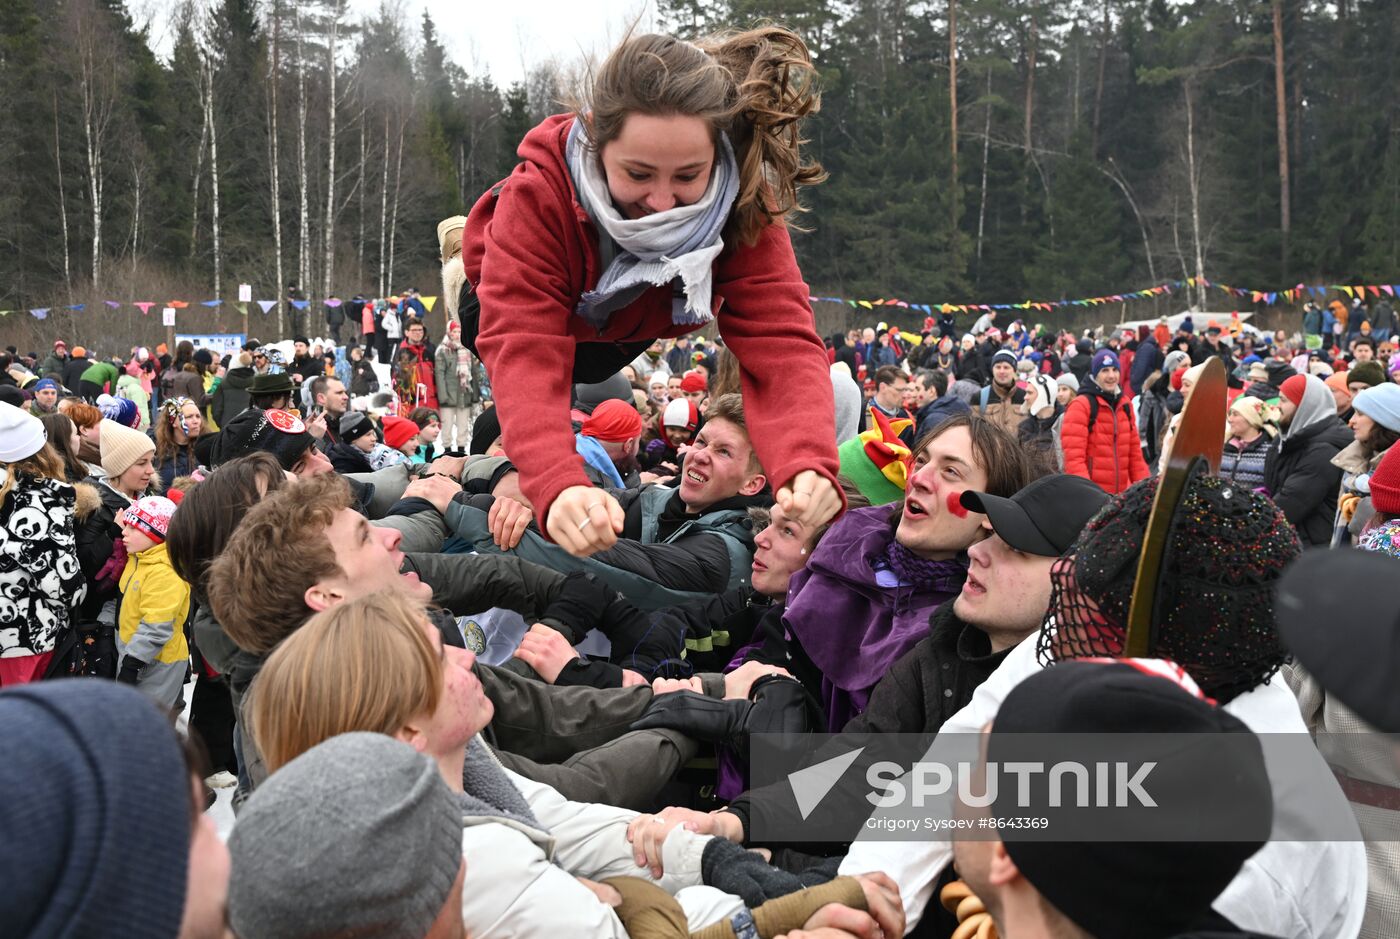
(659, 206)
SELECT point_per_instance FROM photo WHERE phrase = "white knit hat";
(21, 434)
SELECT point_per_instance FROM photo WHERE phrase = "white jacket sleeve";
(916, 865)
(513, 890)
(590, 839)
(1297, 885)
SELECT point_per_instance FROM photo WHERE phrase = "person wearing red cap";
(400, 434)
(1298, 470)
(696, 389)
(608, 443)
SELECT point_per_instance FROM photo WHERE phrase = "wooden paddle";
(1200, 438)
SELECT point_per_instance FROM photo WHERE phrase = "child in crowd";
(429, 429)
(154, 606)
(401, 437)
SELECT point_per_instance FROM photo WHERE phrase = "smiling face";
(779, 552)
(1006, 592)
(673, 388)
(1004, 374)
(1107, 379)
(135, 480)
(658, 162)
(719, 466)
(934, 525)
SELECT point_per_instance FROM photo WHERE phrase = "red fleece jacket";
(532, 252)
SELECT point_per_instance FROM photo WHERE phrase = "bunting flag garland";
(1266, 297)
(1290, 295)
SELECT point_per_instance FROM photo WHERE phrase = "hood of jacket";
(1318, 406)
(851, 627)
(239, 378)
(86, 502)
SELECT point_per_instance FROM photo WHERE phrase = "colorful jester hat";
(878, 461)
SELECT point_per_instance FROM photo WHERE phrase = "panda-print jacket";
(40, 581)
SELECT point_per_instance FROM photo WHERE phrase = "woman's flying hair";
(756, 85)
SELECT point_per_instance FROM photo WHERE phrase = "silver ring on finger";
(584, 523)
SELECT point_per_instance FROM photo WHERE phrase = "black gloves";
(130, 671)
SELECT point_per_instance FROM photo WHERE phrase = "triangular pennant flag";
(210, 303)
(335, 303)
(78, 307)
(267, 305)
(39, 313)
(301, 304)
(428, 302)
(6, 312)
(113, 304)
(144, 306)
(1360, 291)
(1374, 291)
(178, 304)
(1346, 290)
(1388, 289)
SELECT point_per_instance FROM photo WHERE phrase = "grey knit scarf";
(678, 244)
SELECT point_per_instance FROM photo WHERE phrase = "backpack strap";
(984, 397)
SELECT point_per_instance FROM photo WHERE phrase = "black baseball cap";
(1045, 517)
(1341, 625)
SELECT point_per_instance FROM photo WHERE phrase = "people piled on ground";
(540, 664)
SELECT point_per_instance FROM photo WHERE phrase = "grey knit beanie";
(357, 836)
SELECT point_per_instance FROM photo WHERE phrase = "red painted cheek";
(954, 503)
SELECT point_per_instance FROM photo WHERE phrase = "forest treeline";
(978, 150)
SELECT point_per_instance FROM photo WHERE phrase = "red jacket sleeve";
(766, 321)
(1074, 438)
(526, 301)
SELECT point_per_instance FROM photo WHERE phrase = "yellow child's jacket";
(155, 605)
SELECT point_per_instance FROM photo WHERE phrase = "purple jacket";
(852, 628)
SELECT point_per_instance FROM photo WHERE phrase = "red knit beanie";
(613, 420)
(1177, 376)
(398, 431)
(694, 381)
(1293, 388)
(1385, 484)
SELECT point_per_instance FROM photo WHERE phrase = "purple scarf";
(852, 628)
